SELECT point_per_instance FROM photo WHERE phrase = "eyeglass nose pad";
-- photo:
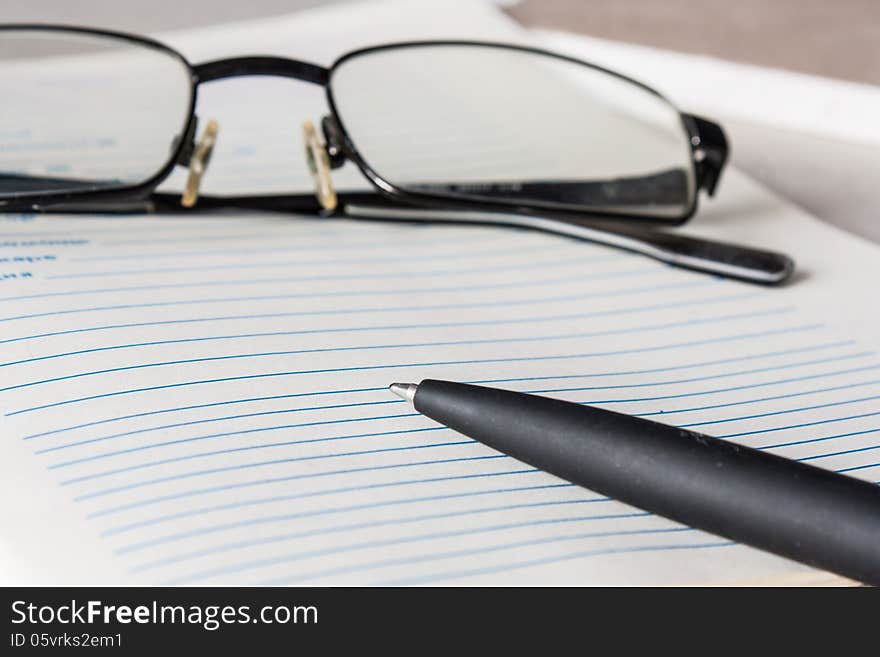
(319, 166)
(198, 164)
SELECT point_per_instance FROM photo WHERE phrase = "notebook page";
(203, 399)
(209, 409)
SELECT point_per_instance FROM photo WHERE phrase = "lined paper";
(220, 413)
(204, 399)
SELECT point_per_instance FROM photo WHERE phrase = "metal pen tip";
(405, 391)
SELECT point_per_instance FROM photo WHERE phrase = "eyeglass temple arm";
(710, 149)
(674, 248)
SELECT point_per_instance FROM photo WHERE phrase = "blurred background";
(839, 39)
(795, 82)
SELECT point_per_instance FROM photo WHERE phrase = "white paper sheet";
(203, 399)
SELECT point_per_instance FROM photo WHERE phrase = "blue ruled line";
(286, 478)
(150, 464)
(749, 386)
(422, 558)
(316, 393)
(284, 279)
(287, 443)
(822, 438)
(860, 467)
(288, 352)
(121, 529)
(242, 432)
(477, 381)
(276, 461)
(394, 292)
(333, 529)
(855, 450)
(365, 545)
(485, 256)
(323, 492)
(799, 426)
(789, 410)
(352, 311)
(202, 531)
(309, 279)
(68, 445)
(328, 260)
(709, 377)
(729, 338)
(240, 416)
(788, 395)
(295, 244)
(139, 448)
(530, 563)
(249, 466)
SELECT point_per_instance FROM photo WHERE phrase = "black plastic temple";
(295, 203)
(15, 183)
(667, 188)
(664, 188)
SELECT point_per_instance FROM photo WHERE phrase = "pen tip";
(405, 391)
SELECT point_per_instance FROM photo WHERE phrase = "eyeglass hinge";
(187, 143)
(334, 140)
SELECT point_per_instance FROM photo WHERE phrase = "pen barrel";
(792, 509)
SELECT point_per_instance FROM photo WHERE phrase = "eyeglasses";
(453, 131)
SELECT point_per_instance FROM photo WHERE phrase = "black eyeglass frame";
(389, 202)
(708, 144)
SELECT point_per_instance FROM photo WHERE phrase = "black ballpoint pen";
(815, 516)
